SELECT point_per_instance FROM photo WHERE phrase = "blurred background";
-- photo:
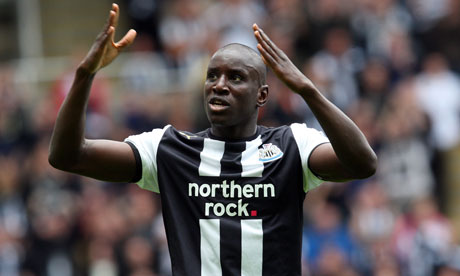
(392, 65)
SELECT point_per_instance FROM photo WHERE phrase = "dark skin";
(234, 80)
(349, 155)
(233, 92)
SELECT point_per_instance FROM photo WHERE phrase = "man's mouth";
(217, 104)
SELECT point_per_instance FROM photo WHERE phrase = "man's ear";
(262, 95)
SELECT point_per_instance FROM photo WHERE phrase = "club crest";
(269, 152)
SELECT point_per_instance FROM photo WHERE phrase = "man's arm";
(349, 155)
(69, 150)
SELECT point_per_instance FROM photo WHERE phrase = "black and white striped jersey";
(230, 207)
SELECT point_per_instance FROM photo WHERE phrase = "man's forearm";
(349, 143)
(68, 139)
(350, 156)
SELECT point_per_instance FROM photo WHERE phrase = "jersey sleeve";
(147, 145)
(307, 140)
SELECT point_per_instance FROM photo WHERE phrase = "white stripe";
(252, 236)
(252, 166)
(307, 139)
(210, 247)
(210, 157)
(147, 144)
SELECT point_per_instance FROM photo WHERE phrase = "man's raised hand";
(280, 63)
(104, 49)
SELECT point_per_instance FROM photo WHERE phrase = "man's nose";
(221, 85)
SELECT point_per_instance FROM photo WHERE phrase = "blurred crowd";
(392, 65)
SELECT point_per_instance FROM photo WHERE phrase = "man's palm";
(104, 49)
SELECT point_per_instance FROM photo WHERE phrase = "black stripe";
(230, 247)
(138, 173)
(231, 160)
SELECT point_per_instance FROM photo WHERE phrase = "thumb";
(127, 40)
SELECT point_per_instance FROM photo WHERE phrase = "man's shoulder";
(282, 127)
(172, 136)
(189, 135)
(275, 131)
(299, 132)
(170, 131)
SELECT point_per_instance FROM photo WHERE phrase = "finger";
(265, 37)
(112, 30)
(115, 9)
(104, 37)
(99, 47)
(264, 45)
(115, 13)
(108, 37)
(112, 16)
(266, 58)
(127, 40)
(269, 42)
(110, 19)
(106, 27)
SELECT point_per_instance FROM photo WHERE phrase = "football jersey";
(230, 207)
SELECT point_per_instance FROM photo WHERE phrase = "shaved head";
(250, 56)
(234, 90)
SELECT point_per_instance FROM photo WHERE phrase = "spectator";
(337, 65)
(404, 157)
(326, 236)
(422, 238)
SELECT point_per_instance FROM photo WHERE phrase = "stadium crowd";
(392, 65)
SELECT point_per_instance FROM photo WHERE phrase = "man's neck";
(234, 132)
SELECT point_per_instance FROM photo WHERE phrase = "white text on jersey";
(232, 190)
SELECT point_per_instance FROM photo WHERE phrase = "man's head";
(235, 87)
(251, 56)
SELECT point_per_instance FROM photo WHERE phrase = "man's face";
(231, 88)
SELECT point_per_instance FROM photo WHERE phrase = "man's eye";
(212, 76)
(237, 77)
